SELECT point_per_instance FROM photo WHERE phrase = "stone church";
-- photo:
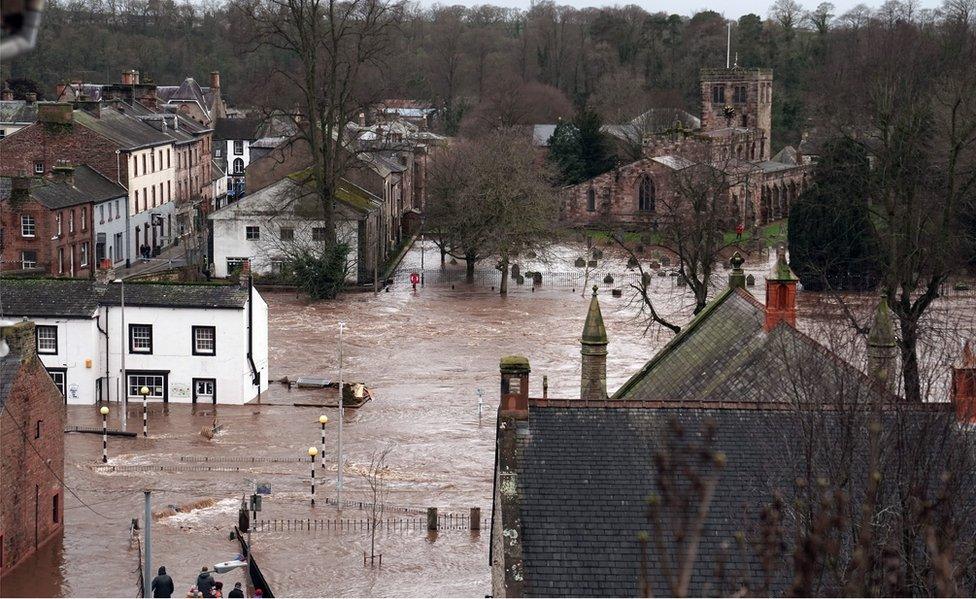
(734, 140)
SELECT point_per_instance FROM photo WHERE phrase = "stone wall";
(615, 197)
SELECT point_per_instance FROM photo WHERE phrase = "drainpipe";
(105, 332)
(255, 375)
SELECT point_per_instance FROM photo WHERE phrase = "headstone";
(665, 261)
(591, 263)
(608, 279)
(580, 263)
(750, 280)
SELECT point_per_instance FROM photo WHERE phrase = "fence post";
(475, 518)
(432, 518)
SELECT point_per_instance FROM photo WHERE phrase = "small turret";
(593, 382)
(780, 293)
(882, 349)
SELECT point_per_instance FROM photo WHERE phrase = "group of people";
(206, 586)
(145, 250)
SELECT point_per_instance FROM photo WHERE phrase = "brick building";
(574, 478)
(50, 224)
(734, 138)
(31, 452)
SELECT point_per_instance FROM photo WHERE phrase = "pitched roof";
(125, 130)
(292, 196)
(231, 129)
(73, 298)
(586, 474)
(86, 186)
(9, 366)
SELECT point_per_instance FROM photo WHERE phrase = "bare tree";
(376, 493)
(490, 197)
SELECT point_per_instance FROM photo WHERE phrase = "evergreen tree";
(580, 150)
(830, 238)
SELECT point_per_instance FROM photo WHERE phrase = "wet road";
(424, 354)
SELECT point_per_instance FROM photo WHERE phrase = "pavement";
(172, 257)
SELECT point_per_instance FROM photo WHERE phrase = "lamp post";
(312, 452)
(339, 460)
(104, 412)
(323, 420)
(144, 392)
(123, 384)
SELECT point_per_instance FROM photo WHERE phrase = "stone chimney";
(362, 119)
(19, 337)
(882, 350)
(780, 293)
(128, 78)
(6, 94)
(737, 278)
(215, 80)
(964, 385)
(593, 381)
(64, 172)
(55, 113)
(514, 387)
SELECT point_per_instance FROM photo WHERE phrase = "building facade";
(32, 421)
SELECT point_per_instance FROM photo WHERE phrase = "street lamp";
(312, 452)
(323, 420)
(144, 392)
(104, 412)
(123, 383)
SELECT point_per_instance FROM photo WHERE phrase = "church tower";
(593, 383)
(749, 95)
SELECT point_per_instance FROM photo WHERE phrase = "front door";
(205, 390)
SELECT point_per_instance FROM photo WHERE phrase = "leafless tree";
(376, 492)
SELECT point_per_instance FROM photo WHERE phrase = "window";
(135, 166)
(204, 341)
(57, 220)
(252, 232)
(155, 382)
(318, 234)
(55, 507)
(167, 158)
(217, 152)
(47, 339)
(58, 378)
(238, 166)
(154, 196)
(590, 200)
(27, 226)
(145, 199)
(137, 200)
(739, 94)
(71, 221)
(169, 192)
(144, 171)
(83, 256)
(116, 209)
(60, 260)
(205, 390)
(3, 133)
(286, 234)
(101, 213)
(718, 94)
(84, 219)
(238, 147)
(235, 264)
(140, 339)
(39, 167)
(645, 195)
(37, 431)
(28, 259)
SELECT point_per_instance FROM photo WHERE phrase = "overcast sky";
(729, 8)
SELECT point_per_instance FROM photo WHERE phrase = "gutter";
(255, 375)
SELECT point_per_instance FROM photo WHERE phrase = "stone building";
(741, 403)
(32, 419)
(734, 138)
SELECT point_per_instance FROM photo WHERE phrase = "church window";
(718, 94)
(590, 200)
(645, 195)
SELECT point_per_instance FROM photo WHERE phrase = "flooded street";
(424, 355)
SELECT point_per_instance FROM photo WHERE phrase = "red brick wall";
(48, 144)
(42, 243)
(32, 398)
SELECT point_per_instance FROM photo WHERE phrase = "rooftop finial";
(737, 278)
(595, 289)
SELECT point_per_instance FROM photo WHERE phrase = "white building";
(232, 148)
(265, 226)
(186, 343)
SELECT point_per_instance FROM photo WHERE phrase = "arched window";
(590, 200)
(238, 166)
(645, 195)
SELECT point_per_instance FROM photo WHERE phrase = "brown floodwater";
(424, 355)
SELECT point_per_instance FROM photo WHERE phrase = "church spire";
(593, 382)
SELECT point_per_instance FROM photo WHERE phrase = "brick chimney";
(593, 380)
(964, 385)
(55, 113)
(6, 94)
(19, 337)
(64, 172)
(514, 387)
(127, 78)
(215, 80)
(780, 293)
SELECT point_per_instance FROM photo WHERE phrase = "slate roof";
(586, 475)
(127, 131)
(87, 186)
(661, 119)
(9, 366)
(73, 298)
(673, 162)
(231, 129)
(289, 197)
(17, 111)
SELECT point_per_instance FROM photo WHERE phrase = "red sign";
(414, 278)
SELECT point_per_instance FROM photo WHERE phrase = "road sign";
(414, 278)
